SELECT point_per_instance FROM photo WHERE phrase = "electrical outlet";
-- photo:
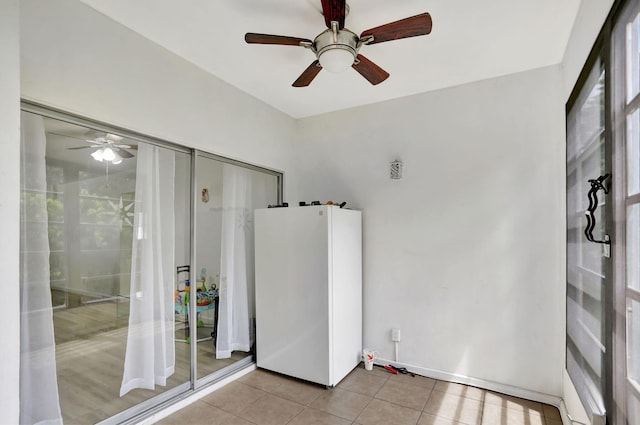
(395, 335)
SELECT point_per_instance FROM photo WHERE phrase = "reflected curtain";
(150, 353)
(39, 401)
(237, 282)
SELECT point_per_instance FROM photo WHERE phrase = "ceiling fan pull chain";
(107, 176)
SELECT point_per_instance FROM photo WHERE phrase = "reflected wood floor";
(363, 397)
(90, 350)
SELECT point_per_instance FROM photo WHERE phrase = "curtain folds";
(237, 282)
(150, 353)
(39, 401)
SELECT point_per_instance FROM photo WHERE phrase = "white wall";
(465, 253)
(78, 60)
(10, 207)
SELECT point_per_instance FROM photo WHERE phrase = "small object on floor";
(404, 371)
(369, 357)
(391, 369)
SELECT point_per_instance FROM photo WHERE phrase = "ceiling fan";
(108, 148)
(337, 48)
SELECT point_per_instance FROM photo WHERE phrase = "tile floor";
(363, 397)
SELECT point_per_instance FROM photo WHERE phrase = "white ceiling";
(471, 40)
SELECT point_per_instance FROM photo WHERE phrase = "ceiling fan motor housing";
(342, 39)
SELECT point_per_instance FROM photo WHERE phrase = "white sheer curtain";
(39, 402)
(150, 354)
(237, 282)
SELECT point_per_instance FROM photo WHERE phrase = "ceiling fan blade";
(308, 75)
(404, 28)
(80, 147)
(369, 70)
(334, 10)
(123, 153)
(254, 38)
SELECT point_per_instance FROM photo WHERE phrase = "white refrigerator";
(309, 291)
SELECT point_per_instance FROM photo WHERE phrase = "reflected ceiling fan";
(108, 148)
(337, 48)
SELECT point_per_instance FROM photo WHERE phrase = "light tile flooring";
(363, 397)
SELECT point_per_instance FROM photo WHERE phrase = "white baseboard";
(480, 383)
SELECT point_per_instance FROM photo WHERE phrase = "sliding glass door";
(227, 194)
(93, 204)
(136, 269)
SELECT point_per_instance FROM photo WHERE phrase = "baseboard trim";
(475, 382)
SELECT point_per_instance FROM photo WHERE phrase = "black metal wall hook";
(596, 185)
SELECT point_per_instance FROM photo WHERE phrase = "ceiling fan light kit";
(107, 154)
(337, 48)
(108, 148)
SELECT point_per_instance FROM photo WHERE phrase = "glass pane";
(585, 268)
(227, 196)
(87, 226)
(633, 409)
(633, 246)
(633, 341)
(633, 153)
(586, 120)
(633, 59)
